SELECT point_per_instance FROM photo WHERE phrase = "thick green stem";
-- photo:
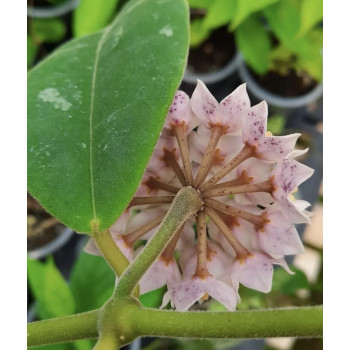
(288, 322)
(187, 202)
(63, 329)
(111, 252)
(107, 343)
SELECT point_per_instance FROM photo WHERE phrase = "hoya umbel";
(245, 179)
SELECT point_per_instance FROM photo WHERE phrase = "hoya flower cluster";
(246, 178)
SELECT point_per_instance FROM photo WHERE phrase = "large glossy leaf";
(95, 110)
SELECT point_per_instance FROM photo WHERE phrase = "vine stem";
(186, 203)
(299, 322)
(287, 322)
(63, 329)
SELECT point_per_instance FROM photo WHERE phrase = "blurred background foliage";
(272, 35)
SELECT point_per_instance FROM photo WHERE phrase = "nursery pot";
(277, 104)
(52, 11)
(221, 79)
(52, 246)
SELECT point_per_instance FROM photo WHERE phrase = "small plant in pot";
(45, 234)
(282, 54)
(214, 56)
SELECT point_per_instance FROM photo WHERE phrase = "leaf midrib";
(93, 83)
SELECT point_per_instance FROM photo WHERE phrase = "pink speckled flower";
(286, 176)
(226, 114)
(246, 178)
(267, 148)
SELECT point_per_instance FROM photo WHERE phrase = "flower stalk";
(187, 202)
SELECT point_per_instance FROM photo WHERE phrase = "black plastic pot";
(277, 104)
(215, 62)
(52, 11)
(220, 83)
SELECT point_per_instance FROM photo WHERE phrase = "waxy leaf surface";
(96, 107)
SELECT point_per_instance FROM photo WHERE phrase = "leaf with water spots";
(95, 110)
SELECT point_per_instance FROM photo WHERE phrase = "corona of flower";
(245, 177)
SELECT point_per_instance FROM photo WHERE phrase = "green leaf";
(32, 50)
(201, 4)
(92, 282)
(309, 50)
(289, 284)
(68, 346)
(276, 124)
(311, 15)
(153, 298)
(198, 33)
(91, 16)
(49, 289)
(250, 298)
(284, 20)
(246, 8)
(48, 30)
(96, 107)
(220, 13)
(254, 43)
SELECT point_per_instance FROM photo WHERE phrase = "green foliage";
(254, 44)
(247, 8)
(200, 4)
(284, 20)
(153, 298)
(198, 33)
(311, 15)
(50, 289)
(91, 16)
(283, 284)
(289, 284)
(32, 50)
(276, 124)
(48, 30)
(56, 298)
(257, 24)
(287, 21)
(95, 110)
(92, 282)
(220, 13)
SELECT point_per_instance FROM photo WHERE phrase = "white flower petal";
(254, 272)
(287, 175)
(278, 236)
(159, 274)
(254, 123)
(204, 104)
(91, 248)
(180, 112)
(273, 148)
(232, 106)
